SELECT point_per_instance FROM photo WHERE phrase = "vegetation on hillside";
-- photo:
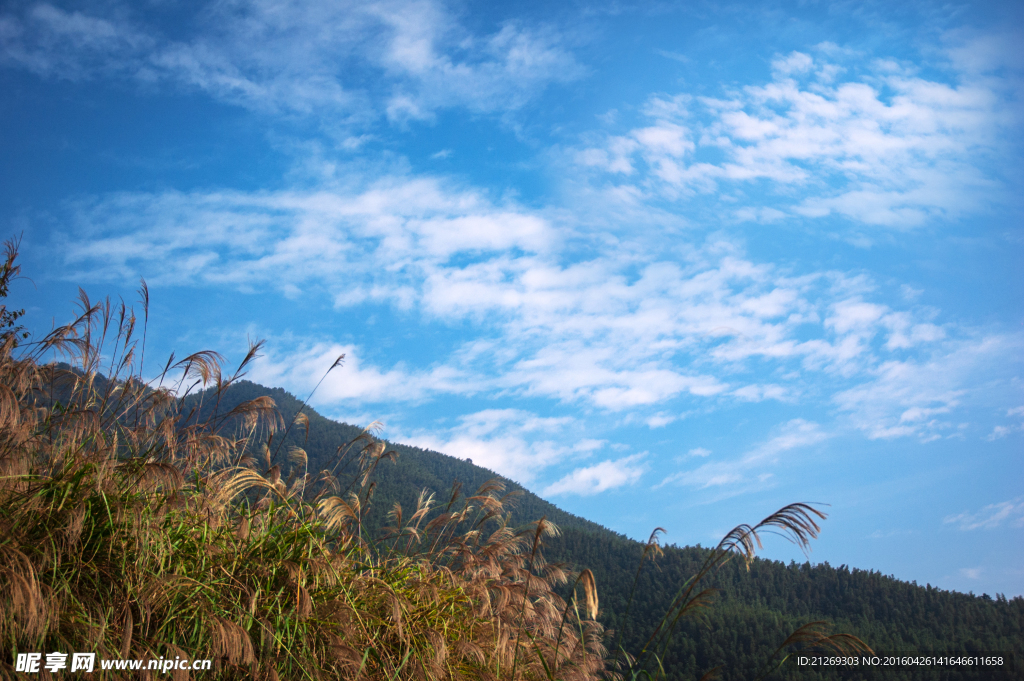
(755, 609)
(205, 517)
(132, 528)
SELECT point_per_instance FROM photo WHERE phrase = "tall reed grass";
(140, 520)
(131, 528)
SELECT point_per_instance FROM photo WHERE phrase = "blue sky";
(669, 264)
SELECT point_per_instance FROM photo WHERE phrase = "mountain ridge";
(756, 609)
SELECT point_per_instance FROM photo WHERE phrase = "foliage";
(9, 328)
(756, 608)
(798, 523)
(133, 525)
(237, 524)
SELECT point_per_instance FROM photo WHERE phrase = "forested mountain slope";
(755, 609)
(414, 470)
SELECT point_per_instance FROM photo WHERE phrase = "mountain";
(414, 470)
(755, 611)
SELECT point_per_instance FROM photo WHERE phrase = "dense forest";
(755, 610)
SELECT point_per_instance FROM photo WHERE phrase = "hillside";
(414, 470)
(755, 611)
(130, 534)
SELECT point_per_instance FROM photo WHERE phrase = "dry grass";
(131, 528)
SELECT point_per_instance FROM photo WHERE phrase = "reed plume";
(140, 519)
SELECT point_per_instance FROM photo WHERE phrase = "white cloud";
(71, 45)
(515, 443)
(1001, 431)
(990, 517)
(854, 316)
(296, 57)
(600, 477)
(795, 434)
(574, 371)
(794, 63)
(666, 139)
(884, 147)
(699, 451)
(913, 397)
(759, 393)
(660, 420)
(354, 381)
(242, 239)
(616, 329)
(759, 214)
(972, 573)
